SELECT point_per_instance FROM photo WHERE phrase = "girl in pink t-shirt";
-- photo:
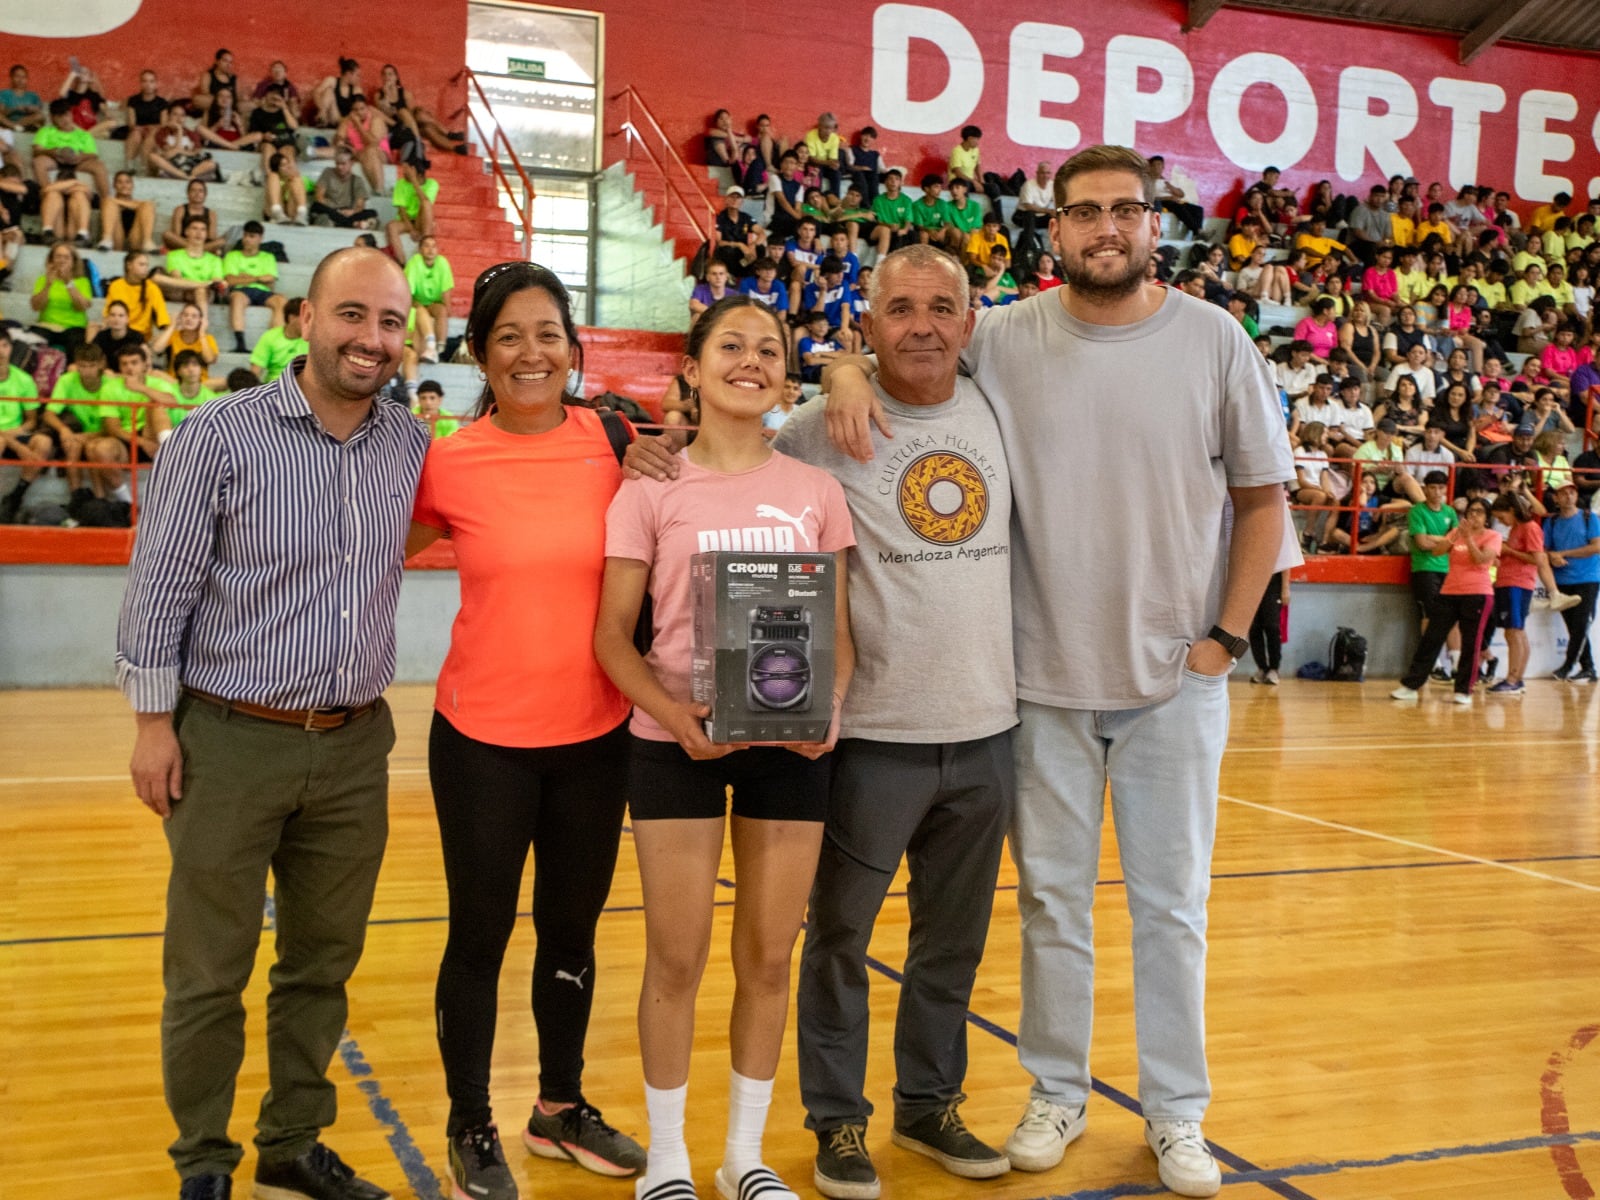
(731, 487)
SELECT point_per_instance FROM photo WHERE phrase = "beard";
(1100, 285)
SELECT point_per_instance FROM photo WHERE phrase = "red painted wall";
(751, 58)
(179, 37)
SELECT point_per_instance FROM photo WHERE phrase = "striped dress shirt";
(269, 555)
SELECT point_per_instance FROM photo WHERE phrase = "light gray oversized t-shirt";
(1122, 442)
(930, 574)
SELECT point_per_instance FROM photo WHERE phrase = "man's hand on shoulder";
(852, 409)
(157, 764)
(652, 457)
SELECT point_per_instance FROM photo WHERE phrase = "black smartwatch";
(1235, 646)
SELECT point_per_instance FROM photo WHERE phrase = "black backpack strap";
(616, 432)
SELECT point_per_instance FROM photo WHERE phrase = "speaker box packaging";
(763, 644)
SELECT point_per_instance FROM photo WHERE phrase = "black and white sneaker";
(1043, 1134)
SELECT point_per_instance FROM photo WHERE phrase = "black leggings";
(1471, 612)
(1580, 652)
(1266, 630)
(493, 802)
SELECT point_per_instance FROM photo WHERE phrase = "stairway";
(641, 270)
(474, 230)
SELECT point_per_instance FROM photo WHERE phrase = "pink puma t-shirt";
(783, 506)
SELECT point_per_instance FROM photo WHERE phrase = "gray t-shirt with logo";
(1122, 442)
(930, 574)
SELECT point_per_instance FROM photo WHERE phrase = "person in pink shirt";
(1463, 601)
(1560, 357)
(1522, 561)
(1459, 317)
(1320, 329)
(1380, 285)
(733, 491)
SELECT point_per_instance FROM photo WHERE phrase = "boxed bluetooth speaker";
(763, 644)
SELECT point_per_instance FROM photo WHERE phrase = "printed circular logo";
(943, 499)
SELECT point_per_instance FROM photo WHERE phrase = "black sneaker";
(1585, 676)
(315, 1175)
(1487, 669)
(206, 1187)
(1562, 674)
(844, 1168)
(943, 1136)
(1440, 675)
(478, 1166)
(580, 1134)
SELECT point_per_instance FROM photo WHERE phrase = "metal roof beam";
(1489, 31)
(1201, 11)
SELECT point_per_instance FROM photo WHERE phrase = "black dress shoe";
(206, 1187)
(315, 1175)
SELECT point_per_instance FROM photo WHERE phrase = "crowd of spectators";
(1412, 333)
(107, 366)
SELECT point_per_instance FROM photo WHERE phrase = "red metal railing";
(640, 129)
(1349, 514)
(498, 150)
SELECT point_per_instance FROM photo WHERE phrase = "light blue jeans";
(1162, 762)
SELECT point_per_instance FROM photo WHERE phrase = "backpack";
(632, 409)
(1347, 656)
(617, 434)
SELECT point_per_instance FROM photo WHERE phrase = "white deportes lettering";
(1380, 123)
(773, 513)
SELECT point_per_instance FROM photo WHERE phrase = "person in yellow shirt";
(982, 243)
(1318, 247)
(825, 146)
(1414, 282)
(1531, 285)
(1242, 245)
(147, 308)
(1555, 281)
(1435, 225)
(1404, 222)
(1544, 217)
(964, 158)
(1582, 235)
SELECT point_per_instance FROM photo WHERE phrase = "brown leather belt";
(312, 720)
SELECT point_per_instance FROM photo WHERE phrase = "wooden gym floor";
(1404, 983)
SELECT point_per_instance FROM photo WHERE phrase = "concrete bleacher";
(235, 200)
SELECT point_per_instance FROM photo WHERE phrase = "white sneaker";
(105, 244)
(1043, 1134)
(1272, 678)
(302, 217)
(277, 215)
(1259, 677)
(1564, 601)
(1183, 1158)
(1403, 693)
(1460, 698)
(1542, 601)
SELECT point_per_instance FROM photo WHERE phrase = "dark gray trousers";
(945, 808)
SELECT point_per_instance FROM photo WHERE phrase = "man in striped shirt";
(255, 642)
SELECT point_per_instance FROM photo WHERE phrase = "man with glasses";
(1122, 658)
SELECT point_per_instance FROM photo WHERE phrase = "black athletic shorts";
(769, 783)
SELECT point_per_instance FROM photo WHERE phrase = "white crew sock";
(748, 1101)
(668, 1157)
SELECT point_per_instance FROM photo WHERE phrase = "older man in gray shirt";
(923, 769)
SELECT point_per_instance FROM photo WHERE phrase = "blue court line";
(418, 1174)
(1005, 887)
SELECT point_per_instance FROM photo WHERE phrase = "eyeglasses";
(1125, 215)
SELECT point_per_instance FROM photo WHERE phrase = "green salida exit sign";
(525, 68)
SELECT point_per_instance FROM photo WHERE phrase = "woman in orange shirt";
(528, 746)
(1463, 600)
